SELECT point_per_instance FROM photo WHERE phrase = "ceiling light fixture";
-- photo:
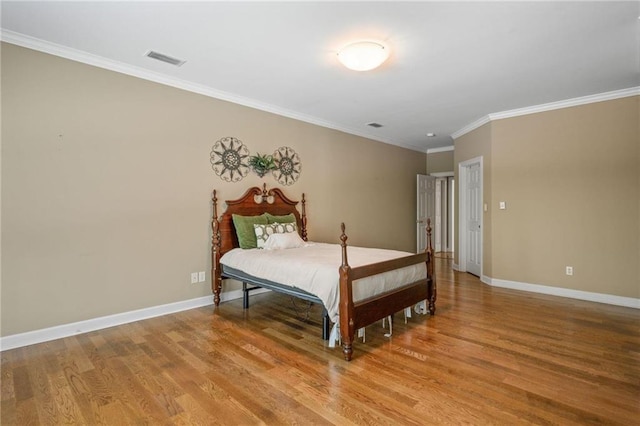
(363, 55)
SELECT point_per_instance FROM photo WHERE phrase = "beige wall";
(571, 182)
(439, 162)
(106, 185)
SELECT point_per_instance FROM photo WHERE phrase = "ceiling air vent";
(164, 58)
(376, 125)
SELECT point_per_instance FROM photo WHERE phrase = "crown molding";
(441, 149)
(583, 100)
(470, 127)
(40, 45)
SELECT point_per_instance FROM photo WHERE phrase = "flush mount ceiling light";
(363, 55)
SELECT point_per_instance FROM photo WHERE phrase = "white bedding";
(314, 268)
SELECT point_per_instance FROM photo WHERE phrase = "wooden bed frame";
(353, 316)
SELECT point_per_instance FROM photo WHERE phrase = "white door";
(426, 196)
(470, 223)
(438, 220)
(474, 219)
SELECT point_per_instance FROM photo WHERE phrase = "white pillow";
(263, 232)
(284, 241)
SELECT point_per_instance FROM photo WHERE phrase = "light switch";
(503, 205)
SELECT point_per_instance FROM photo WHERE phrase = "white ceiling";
(451, 64)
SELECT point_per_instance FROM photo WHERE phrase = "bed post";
(303, 231)
(216, 277)
(346, 301)
(432, 290)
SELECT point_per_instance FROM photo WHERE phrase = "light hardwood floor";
(489, 356)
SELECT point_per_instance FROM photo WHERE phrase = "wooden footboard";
(355, 315)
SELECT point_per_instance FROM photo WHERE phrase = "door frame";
(463, 167)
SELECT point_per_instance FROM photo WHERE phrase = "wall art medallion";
(288, 165)
(230, 159)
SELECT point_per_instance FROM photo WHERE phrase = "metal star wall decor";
(288, 165)
(230, 159)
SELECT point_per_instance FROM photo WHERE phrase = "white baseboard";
(72, 329)
(609, 299)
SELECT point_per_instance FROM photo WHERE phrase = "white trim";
(441, 149)
(609, 299)
(583, 100)
(442, 174)
(568, 103)
(470, 127)
(72, 329)
(33, 43)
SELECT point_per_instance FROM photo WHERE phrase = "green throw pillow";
(289, 218)
(244, 229)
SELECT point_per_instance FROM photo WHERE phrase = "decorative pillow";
(244, 229)
(285, 228)
(263, 232)
(289, 218)
(284, 241)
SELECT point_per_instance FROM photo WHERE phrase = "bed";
(377, 284)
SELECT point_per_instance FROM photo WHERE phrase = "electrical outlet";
(202, 276)
(194, 278)
(569, 270)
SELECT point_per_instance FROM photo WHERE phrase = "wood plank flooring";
(489, 356)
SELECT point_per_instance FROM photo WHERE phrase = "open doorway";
(444, 233)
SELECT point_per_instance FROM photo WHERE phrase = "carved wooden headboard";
(254, 202)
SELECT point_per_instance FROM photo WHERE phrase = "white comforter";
(314, 268)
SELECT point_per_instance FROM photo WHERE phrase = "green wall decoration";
(262, 164)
